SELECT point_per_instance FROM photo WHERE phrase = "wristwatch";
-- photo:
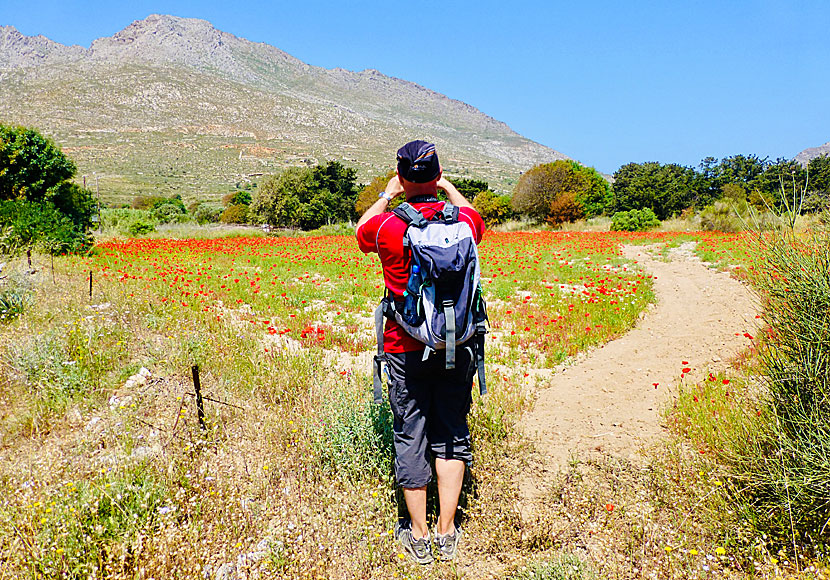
(385, 196)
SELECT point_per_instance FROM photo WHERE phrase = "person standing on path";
(429, 402)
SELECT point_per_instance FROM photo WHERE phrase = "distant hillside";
(804, 157)
(173, 105)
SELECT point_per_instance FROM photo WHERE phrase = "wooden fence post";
(200, 408)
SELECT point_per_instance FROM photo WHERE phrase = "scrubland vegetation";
(105, 471)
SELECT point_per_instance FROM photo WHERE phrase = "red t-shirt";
(383, 234)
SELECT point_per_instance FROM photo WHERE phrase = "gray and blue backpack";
(442, 305)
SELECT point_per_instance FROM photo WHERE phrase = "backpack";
(442, 306)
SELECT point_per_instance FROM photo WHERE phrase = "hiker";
(429, 401)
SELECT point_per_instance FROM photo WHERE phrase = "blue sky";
(605, 82)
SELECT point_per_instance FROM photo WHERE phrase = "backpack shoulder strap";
(450, 213)
(409, 215)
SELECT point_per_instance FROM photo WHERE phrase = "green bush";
(354, 436)
(237, 198)
(235, 214)
(150, 202)
(139, 228)
(41, 207)
(635, 220)
(493, 209)
(206, 213)
(788, 472)
(39, 225)
(167, 212)
(721, 217)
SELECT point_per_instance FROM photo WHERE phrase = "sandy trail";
(606, 402)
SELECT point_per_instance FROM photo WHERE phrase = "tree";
(469, 188)
(538, 187)
(31, 165)
(583, 190)
(369, 194)
(819, 168)
(665, 189)
(594, 192)
(34, 183)
(336, 191)
(277, 201)
(307, 197)
(565, 208)
(493, 209)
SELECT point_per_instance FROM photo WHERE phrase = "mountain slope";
(805, 156)
(173, 105)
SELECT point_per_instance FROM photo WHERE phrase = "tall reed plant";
(789, 475)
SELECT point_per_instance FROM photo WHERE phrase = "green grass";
(767, 429)
(294, 450)
(563, 567)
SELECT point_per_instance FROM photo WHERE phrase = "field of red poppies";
(550, 294)
(105, 471)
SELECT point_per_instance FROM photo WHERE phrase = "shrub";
(235, 214)
(150, 202)
(28, 225)
(237, 198)
(206, 213)
(493, 209)
(139, 228)
(565, 208)
(721, 217)
(354, 436)
(635, 220)
(167, 212)
(789, 474)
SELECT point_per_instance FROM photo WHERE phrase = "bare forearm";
(376, 208)
(393, 189)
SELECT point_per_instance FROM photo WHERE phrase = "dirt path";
(606, 402)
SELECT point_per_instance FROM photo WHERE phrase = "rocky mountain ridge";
(805, 156)
(177, 93)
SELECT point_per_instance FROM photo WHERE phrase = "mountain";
(805, 156)
(173, 105)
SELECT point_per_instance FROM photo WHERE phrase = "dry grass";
(105, 478)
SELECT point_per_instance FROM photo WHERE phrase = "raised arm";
(453, 194)
(394, 189)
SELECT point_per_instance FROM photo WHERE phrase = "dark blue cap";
(418, 162)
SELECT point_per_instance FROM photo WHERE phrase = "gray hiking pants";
(430, 404)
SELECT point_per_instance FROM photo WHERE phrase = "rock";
(143, 452)
(74, 417)
(227, 572)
